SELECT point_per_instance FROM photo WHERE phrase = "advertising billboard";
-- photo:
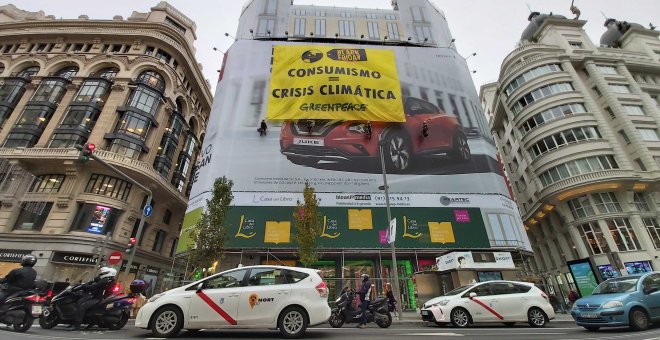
(421, 108)
(584, 275)
(465, 260)
(99, 219)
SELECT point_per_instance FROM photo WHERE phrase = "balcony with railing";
(588, 178)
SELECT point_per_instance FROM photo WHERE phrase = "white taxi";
(286, 298)
(507, 302)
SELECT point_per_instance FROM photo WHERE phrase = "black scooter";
(112, 312)
(345, 312)
(21, 308)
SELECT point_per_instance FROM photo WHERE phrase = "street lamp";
(471, 55)
(231, 36)
(395, 270)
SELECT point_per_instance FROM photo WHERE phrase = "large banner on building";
(441, 163)
(331, 82)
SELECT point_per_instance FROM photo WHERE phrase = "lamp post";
(395, 269)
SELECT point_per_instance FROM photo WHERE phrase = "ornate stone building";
(131, 87)
(577, 124)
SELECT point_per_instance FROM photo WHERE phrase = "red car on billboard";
(428, 131)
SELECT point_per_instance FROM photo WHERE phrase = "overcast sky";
(490, 28)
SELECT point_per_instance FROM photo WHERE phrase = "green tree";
(209, 234)
(308, 226)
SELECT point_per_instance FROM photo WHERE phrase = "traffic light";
(131, 245)
(86, 152)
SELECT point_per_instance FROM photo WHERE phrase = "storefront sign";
(74, 258)
(638, 267)
(13, 255)
(152, 271)
(134, 266)
(465, 260)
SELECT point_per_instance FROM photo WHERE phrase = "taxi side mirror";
(473, 295)
(200, 286)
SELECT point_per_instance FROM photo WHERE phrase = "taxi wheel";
(460, 317)
(292, 322)
(167, 322)
(639, 321)
(536, 317)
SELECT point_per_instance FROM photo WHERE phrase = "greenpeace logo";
(444, 200)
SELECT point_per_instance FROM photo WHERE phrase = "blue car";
(632, 301)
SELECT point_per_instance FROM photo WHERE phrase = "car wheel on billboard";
(302, 160)
(460, 148)
(398, 152)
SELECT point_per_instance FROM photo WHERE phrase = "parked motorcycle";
(21, 308)
(112, 312)
(345, 312)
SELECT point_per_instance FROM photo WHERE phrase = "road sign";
(148, 210)
(114, 258)
(391, 232)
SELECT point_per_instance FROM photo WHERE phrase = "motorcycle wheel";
(336, 320)
(385, 322)
(48, 322)
(123, 319)
(23, 327)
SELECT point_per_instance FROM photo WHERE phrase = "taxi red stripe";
(216, 308)
(488, 308)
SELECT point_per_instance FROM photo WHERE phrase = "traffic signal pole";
(136, 183)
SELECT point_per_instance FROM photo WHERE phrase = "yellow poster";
(359, 219)
(333, 82)
(277, 232)
(441, 232)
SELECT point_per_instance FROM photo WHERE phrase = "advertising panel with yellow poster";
(331, 82)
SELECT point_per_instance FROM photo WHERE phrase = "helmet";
(28, 260)
(106, 272)
(365, 277)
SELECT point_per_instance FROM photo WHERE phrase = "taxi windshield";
(458, 290)
(620, 285)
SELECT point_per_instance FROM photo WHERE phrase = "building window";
(299, 27)
(320, 27)
(551, 114)
(597, 91)
(80, 117)
(609, 110)
(578, 167)
(417, 14)
(575, 44)
(93, 91)
(657, 160)
(606, 202)
(634, 110)
(318, 13)
(269, 7)
(623, 234)
(605, 69)
(149, 50)
(299, 12)
(529, 75)
(624, 136)
(345, 14)
(373, 30)
(108, 186)
(562, 139)
(167, 216)
(593, 238)
(653, 228)
(393, 31)
(540, 93)
(640, 202)
(95, 219)
(126, 148)
(160, 239)
(32, 215)
(423, 34)
(169, 21)
(47, 183)
(49, 91)
(649, 135)
(346, 28)
(391, 17)
(265, 26)
(66, 140)
(173, 247)
(640, 164)
(134, 125)
(581, 207)
(620, 89)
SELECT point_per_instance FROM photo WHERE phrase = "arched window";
(152, 79)
(28, 71)
(67, 72)
(179, 106)
(107, 73)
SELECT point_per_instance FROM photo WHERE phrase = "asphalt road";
(564, 331)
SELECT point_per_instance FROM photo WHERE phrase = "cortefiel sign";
(331, 82)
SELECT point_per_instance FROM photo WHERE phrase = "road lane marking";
(431, 334)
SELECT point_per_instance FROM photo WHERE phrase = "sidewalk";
(412, 317)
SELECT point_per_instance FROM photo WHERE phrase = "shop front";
(11, 259)
(76, 267)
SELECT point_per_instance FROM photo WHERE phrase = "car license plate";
(589, 315)
(308, 141)
(425, 312)
(36, 310)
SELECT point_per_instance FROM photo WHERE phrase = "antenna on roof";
(529, 8)
(603, 13)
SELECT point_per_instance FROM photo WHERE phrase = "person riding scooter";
(20, 278)
(365, 298)
(94, 291)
